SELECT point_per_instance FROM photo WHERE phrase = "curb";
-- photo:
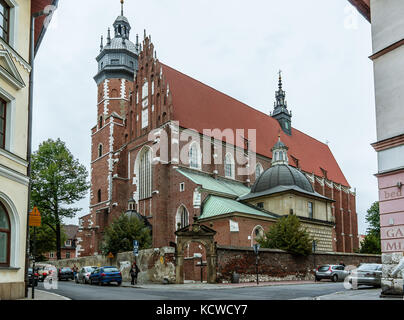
(213, 287)
(55, 294)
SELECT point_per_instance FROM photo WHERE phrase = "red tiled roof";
(36, 6)
(198, 106)
(363, 6)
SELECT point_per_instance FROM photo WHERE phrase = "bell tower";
(117, 67)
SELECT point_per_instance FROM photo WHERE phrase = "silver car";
(369, 274)
(332, 272)
(83, 276)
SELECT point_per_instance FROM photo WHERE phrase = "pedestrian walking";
(75, 269)
(134, 270)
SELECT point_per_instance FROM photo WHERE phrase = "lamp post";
(256, 250)
(314, 246)
(29, 138)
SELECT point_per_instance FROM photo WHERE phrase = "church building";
(167, 148)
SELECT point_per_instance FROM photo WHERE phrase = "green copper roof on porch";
(216, 206)
(232, 188)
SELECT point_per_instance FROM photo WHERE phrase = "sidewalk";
(209, 286)
(361, 294)
(44, 295)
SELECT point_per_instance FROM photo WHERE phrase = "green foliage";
(58, 181)
(45, 241)
(120, 234)
(371, 243)
(287, 234)
(373, 218)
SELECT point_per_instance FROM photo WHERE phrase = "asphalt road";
(112, 292)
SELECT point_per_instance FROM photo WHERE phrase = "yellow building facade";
(285, 190)
(15, 68)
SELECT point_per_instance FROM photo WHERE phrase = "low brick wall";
(155, 264)
(277, 265)
(274, 265)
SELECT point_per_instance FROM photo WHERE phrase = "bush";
(120, 234)
(287, 234)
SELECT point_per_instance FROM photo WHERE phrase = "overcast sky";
(322, 47)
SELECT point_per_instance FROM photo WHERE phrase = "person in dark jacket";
(134, 270)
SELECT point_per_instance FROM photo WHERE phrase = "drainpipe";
(29, 139)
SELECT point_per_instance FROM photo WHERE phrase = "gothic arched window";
(229, 166)
(182, 217)
(100, 122)
(99, 150)
(194, 156)
(145, 89)
(5, 236)
(99, 195)
(145, 174)
(258, 170)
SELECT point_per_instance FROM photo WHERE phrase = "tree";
(45, 241)
(371, 243)
(287, 234)
(120, 234)
(57, 181)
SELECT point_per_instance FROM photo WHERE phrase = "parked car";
(331, 271)
(42, 273)
(369, 274)
(106, 275)
(33, 278)
(65, 274)
(83, 276)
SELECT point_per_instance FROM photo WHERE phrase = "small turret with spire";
(279, 153)
(281, 112)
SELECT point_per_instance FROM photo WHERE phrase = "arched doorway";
(200, 234)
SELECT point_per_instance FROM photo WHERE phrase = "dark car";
(33, 277)
(331, 272)
(65, 274)
(369, 274)
(104, 275)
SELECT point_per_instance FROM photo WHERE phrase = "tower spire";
(281, 112)
(122, 1)
(109, 36)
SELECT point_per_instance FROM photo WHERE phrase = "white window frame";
(182, 186)
(145, 174)
(14, 9)
(194, 156)
(10, 119)
(230, 163)
(145, 118)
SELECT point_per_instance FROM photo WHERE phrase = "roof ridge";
(225, 94)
